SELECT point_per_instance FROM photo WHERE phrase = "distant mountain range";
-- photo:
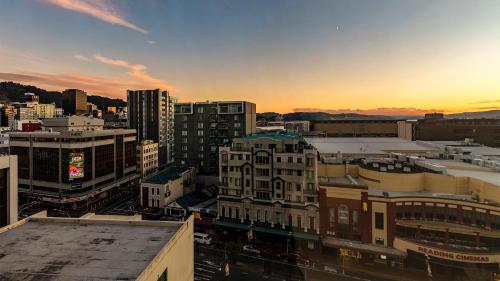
(14, 92)
(317, 116)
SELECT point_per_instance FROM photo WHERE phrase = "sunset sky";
(379, 57)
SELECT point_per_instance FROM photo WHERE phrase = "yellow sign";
(197, 216)
(365, 207)
(350, 253)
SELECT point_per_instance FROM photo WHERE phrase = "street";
(208, 267)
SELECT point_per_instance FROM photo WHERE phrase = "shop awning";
(363, 247)
(281, 232)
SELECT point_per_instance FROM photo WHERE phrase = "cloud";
(486, 101)
(81, 58)
(11, 52)
(114, 87)
(390, 111)
(99, 9)
(487, 107)
(151, 42)
(137, 71)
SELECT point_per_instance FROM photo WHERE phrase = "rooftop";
(167, 175)
(367, 145)
(81, 249)
(275, 135)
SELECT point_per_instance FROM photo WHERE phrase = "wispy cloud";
(151, 42)
(137, 71)
(99, 9)
(486, 101)
(487, 108)
(81, 58)
(25, 55)
(114, 87)
(390, 111)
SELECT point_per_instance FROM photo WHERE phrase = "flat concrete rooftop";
(377, 146)
(80, 249)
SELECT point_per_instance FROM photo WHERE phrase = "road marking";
(206, 270)
(202, 275)
(207, 265)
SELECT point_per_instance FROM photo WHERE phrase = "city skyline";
(388, 57)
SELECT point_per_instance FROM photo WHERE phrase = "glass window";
(343, 214)
(379, 220)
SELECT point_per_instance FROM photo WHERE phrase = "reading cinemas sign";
(454, 256)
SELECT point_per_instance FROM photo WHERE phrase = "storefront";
(449, 263)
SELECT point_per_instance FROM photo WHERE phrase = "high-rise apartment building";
(8, 189)
(269, 180)
(151, 113)
(74, 102)
(200, 128)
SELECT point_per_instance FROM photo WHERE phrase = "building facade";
(200, 128)
(483, 131)
(167, 186)
(42, 111)
(147, 158)
(151, 113)
(356, 128)
(268, 181)
(403, 212)
(74, 102)
(74, 169)
(73, 123)
(8, 189)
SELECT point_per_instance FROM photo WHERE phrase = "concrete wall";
(177, 257)
(10, 162)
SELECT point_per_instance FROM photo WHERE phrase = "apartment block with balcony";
(268, 182)
(201, 127)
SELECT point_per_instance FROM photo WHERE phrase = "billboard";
(76, 165)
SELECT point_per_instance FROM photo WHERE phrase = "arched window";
(343, 214)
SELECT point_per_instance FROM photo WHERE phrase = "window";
(379, 220)
(185, 125)
(299, 160)
(354, 220)
(200, 133)
(278, 185)
(299, 221)
(278, 159)
(184, 133)
(247, 171)
(237, 125)
(343, 214)
(311, 223)
(298, 187)
(452, 214)
(331, 218)
(298, 198)
(200, 125)
(290, 159)
(277, 218)
(278, 171)
(199, 110)
(184, 140)
(289, 186)
(236, 133)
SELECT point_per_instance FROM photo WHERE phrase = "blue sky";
(365, 56)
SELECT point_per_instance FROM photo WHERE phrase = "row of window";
(263, 216)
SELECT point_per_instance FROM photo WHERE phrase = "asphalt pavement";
(209, 267)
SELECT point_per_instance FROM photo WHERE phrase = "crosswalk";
(205, 271)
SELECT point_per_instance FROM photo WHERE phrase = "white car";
(249, 249)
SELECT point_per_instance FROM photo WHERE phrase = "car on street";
(249, 249)
(271, 253)
(298, 258)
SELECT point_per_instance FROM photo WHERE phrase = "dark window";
(379, 220)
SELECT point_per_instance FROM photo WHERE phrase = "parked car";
(202, 238)
(330, 268)
(249, 249)
(270, 253)
(297, 257)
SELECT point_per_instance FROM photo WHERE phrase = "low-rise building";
(167, 186)
(74, 169)
(73, 123)
(8, 189)
(356, 127)
(147, 158)
(407, 210)
(268, 182)
(97, 248)
(42, 111)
